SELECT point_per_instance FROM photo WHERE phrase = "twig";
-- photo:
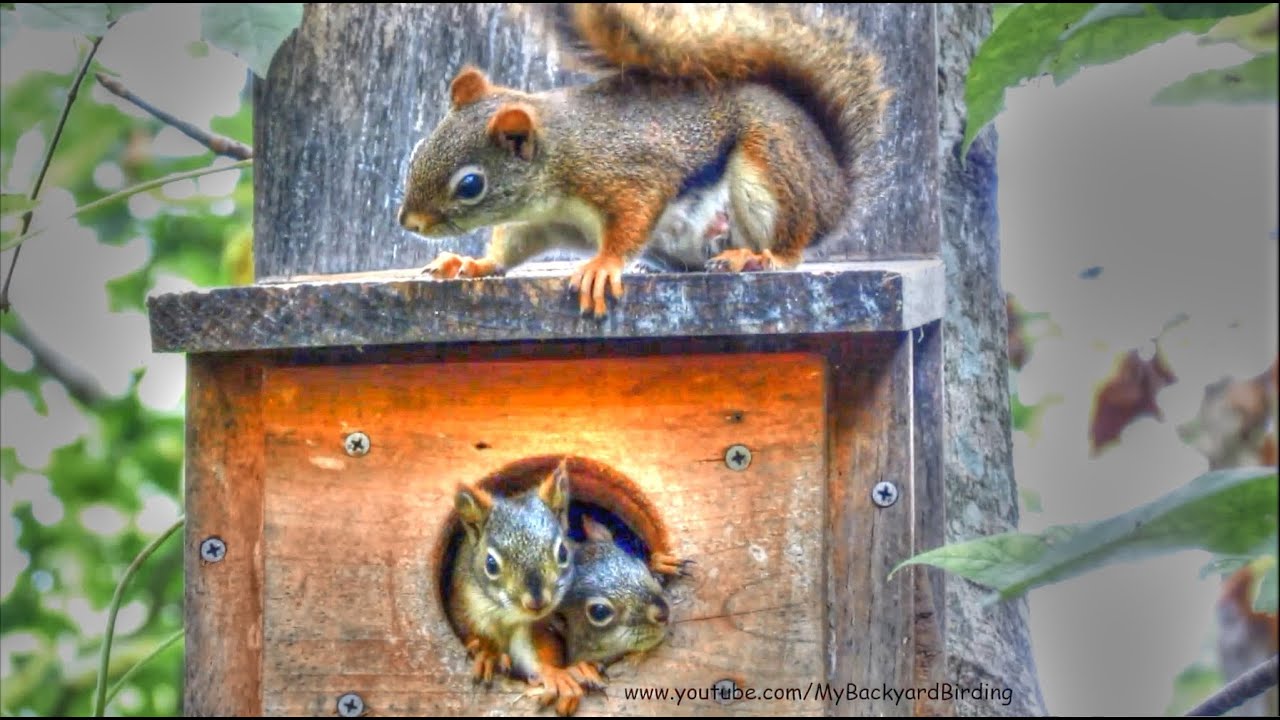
(119, 685)
(104, 661)
(1245, 687)
(79, 384)
(132, 190)
(48, 159)
(218, 144)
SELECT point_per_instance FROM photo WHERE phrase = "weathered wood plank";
(351, 594)
(401, 307)
(870, 621)
(224, 499)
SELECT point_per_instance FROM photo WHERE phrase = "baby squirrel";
(738, 102)
(512, 569)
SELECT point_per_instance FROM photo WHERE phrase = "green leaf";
(1224, 565)
(15, 204)
(1113, 31)
(88, 18)
(251, 31)
(1225, 511)
(1266, 601)
(1187, 11)
(1248, 82)
(1015, 50)
(1256, 32)
(1031, 501)
(115, 11)
(1192, 686)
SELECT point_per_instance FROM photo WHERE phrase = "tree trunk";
(986, 646)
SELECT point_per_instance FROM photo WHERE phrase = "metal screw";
(737, 457)
(350, 705)
(357, 444)
(213, 549)
(726, 691)
(884, 494)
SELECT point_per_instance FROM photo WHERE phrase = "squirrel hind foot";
(744, 260)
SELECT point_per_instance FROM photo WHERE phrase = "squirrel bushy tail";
(823, 69)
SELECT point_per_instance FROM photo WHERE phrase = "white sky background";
(1175, 204)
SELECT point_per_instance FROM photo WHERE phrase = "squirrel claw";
(591, 280)
(559, 687)
(741, 260)
(487, 659)
(668, 564)
(588, 676)
(449, 265)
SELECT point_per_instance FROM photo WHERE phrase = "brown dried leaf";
(1129, 394)
(1236, 423)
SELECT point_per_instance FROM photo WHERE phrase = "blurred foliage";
(53, 618)
(1058, 39)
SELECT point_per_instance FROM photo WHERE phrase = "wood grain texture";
(223, 603)
(870, 619)
(351, 598)
(399, 308)
(358, 85)
(930, 517)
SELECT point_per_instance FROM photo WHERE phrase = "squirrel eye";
(562, 554)
(599, 612)
(468, 184)
(491, 565)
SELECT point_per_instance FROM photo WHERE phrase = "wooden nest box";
(785, 428)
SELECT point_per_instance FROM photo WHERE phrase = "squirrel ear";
(512, 127)
(554, 491)
(473, 506)
(595, 532)
(468, 86)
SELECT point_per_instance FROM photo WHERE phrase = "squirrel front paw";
(449, 265)
(588, 675)
(560, 687)
(487, 658)
(591, 279)
(668, 564)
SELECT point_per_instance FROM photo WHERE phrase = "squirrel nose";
(531, 603)
(415, 221)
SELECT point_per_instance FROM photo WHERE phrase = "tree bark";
(986, 646)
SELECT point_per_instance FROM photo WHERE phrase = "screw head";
(213, 549)
(357, 444)
(350, 705)
(737, 457)
(884, 494)
(725, 691)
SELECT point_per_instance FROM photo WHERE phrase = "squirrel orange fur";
(702, 106)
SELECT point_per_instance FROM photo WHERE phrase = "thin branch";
(48, 160)
(218, 144)
(79, 384)
(175, 637)
(129, 191)
(100, 696)
(1244, 688)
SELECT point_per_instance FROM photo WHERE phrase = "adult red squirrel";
(735, 101)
